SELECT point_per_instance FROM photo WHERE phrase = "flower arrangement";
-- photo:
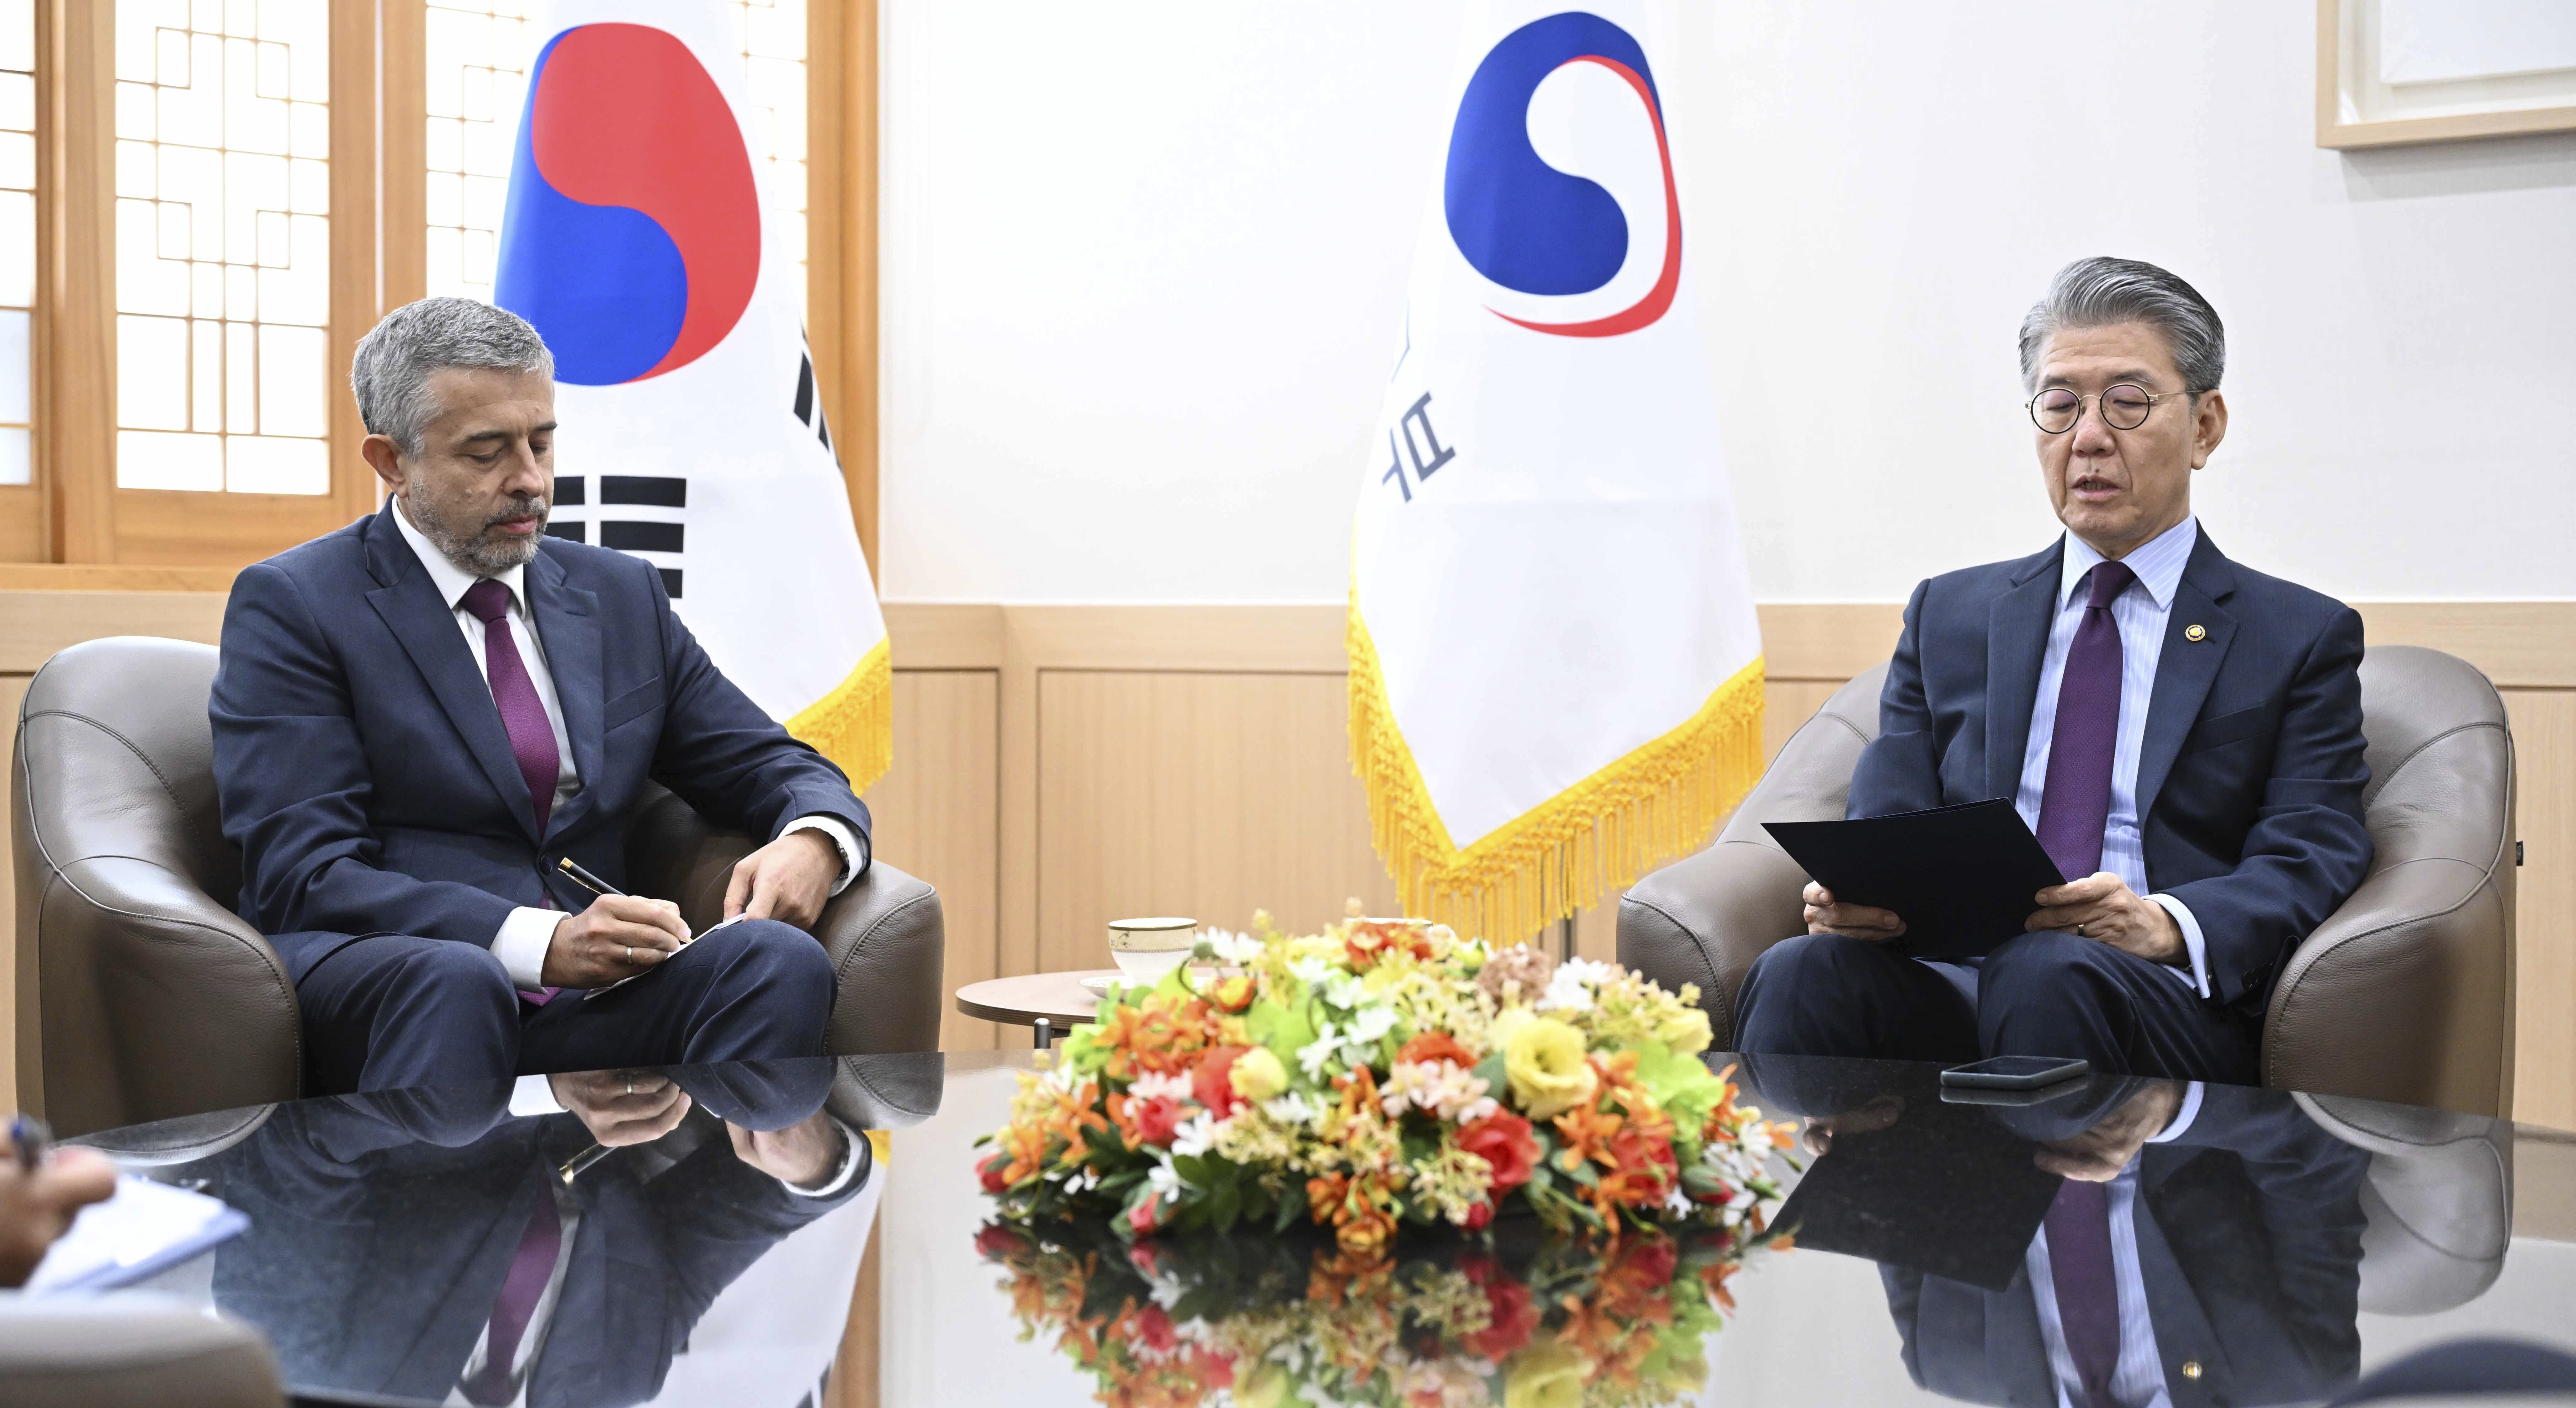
(1382, 1074)
(1260, 1322)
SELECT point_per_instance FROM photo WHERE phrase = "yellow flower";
(1544, 1060)
(1684, 1377)
(1685, 1031)
(1265, 1387)
(1548, 1374)
(1257, 1074)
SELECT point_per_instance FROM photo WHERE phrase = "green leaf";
(1497, 1080)
(1291, 1207)
(1281, 1028)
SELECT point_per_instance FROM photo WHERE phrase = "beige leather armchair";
(142, 996)
(2405, 994)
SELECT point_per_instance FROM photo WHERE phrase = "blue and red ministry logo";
(1526, 225)
(631, 238)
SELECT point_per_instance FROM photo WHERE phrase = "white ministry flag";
(1556, 674)
(634, 240)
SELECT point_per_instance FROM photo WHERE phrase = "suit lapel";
(425, 626)
(567, 622)
(2016, 643)
(2187, 668)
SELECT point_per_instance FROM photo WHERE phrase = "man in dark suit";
(424, 1244)
(418, 716)
(2181, 732)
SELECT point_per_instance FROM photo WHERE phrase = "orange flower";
(1436, 1046)
(1233, 994)
(1362, 1211)
(1368, 942)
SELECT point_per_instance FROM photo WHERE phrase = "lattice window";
(17, 236)
(477, 58)
(223, 258)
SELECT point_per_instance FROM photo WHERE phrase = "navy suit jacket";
(363, 770)
(2250, 779)
(2249, 1247)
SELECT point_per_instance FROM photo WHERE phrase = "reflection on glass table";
(2123, 1241)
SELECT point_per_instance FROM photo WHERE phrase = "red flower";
(1478, 1215)
(1156, 1328)
(1503, 1140)
(1512, 1320)
(1212, 1080)
(1143, 1218)
(1436, 1046)
(996, 1241)
(1233, 994)
(992, 1173)
(1155, 1119)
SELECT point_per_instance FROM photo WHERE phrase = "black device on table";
(2016, 1072)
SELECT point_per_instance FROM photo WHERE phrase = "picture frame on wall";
(2393, 72)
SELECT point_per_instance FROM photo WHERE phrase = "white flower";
(1569, 988)
(1291, 1109)
(1317, 1054)
(1309, 971)
(1149, 1086)
(1195, 1134)
(1232, 947)
(1345, 991)
(1677, 1202)
(1163, 1178)
(1373, 1022)
(1438, 1088)
(1475, 1110)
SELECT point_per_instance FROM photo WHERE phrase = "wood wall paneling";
(1203, 794)
(2544, 745)
(937, 814)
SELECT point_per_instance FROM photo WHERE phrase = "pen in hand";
(580, 875)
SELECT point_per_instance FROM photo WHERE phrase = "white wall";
(1144, 266)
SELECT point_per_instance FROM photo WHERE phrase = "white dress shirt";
(2141, 613)
(2138, 1378)
(528, 932)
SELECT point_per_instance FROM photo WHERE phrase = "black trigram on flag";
(663, 537)
(809, 405)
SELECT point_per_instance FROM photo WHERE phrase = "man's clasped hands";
(2101, 906)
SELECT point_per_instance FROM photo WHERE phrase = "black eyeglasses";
(2124, 407)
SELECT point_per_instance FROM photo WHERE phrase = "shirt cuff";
(522, 943)
(533, 1095)
(851, 1163)
(852, 846)
(2183, 1117)
(2192, 943)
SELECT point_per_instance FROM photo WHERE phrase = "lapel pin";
(2195, 631)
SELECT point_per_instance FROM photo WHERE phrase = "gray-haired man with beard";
(419, 717)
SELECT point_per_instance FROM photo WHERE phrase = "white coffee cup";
(1149, 948)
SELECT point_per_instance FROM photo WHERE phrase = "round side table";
(1047, 1003)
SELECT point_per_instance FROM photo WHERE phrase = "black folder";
(1960, 877)
(1944, 1190)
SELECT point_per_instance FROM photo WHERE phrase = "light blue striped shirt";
(2138, 1378)
(2141, 613)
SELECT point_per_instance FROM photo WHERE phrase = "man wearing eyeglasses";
(2181, 732)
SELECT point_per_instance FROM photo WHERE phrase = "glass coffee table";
(735, 1235)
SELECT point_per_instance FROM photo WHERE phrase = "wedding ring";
(630, 955)
(630, 1087)
(2079, 932)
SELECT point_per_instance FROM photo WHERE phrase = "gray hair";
(391, 371)
(2101, 291)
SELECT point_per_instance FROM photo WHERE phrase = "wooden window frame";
(72, 513)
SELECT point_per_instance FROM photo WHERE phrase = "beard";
(468, 540)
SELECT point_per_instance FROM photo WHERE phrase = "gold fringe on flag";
(854, 724)
(1597, 836)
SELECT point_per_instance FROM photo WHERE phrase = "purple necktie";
(523, 715)
(2075, 805)
(532, 739)
(2088, 1298)
(530, 1269)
